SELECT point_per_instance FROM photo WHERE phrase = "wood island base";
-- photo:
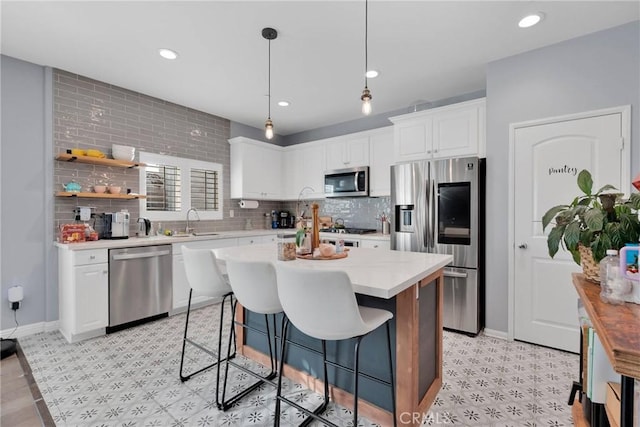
(418, 355)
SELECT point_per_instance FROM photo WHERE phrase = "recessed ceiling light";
(283, 103)
(371, 74)
(168, 53)
(530, 20)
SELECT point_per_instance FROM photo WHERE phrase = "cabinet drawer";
(92, 256)
(375, 244)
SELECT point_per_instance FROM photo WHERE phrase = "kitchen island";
(408, 284)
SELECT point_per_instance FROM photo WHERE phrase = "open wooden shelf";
(65, 157)
(99, 195)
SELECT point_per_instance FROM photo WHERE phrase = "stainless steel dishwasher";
(139, 285)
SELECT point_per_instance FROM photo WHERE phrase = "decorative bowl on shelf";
(123, 152)
(114, 189)
(100, 188)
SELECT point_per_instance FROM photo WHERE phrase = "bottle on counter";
(613, 286)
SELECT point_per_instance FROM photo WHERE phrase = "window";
(174, 184)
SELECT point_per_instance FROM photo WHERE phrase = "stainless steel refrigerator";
(438, 207)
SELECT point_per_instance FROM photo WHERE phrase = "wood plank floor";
(21, 403)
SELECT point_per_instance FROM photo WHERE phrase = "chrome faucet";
(190, 229)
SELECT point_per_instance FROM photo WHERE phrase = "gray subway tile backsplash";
(94, 114)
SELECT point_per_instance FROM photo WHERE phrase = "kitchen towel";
(249, 204)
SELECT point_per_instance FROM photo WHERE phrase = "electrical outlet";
(231, 212)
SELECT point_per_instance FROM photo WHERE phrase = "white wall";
(587, 73)
(26, 210)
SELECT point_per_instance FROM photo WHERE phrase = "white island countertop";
(374, 272)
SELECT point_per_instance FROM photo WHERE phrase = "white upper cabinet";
(256, 170)
(304, 169)
(381, 156)
(452, 131)
(347, 152)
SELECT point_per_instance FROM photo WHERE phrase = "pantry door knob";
(522, 246)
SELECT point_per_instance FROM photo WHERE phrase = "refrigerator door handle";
(449, 273)
(428, 230)
(432, 213)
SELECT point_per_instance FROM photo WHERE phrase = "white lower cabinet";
(92, 296)
(180, 284)
(83, 292)
(375, 244)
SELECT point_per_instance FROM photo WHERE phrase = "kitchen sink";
(182, 235)
(205, 233)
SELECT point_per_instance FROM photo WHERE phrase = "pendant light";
(269, 34)
(366, 93)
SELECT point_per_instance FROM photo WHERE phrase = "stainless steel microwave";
(351, 182)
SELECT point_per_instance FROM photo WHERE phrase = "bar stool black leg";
(183, 378)
(186, 340)
(285, 327)
(225, 403)
(356, 370)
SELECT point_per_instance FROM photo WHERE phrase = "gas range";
(348, 230)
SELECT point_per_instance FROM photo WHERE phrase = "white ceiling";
(424, 50)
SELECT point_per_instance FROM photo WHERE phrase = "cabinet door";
(336, 155)
(357, 152)
(91, 297)
(309, 172)
(269, 173)
(455, 132)
(180, 284)
(413, 140)
(256, 171)
(347, 153)
(381, 150)
(291, 169)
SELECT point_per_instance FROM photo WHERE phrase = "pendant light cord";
(269, 73)
(366, 38)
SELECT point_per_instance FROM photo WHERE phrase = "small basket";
(590, 267)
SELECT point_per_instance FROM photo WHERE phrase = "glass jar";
(614, 288)
(286, 247)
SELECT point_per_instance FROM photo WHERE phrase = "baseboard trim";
(496, 334)
(33, 328)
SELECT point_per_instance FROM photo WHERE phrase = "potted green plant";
(593, 222)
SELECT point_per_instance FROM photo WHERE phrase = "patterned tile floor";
(130, 378)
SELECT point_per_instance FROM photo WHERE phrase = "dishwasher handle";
(140, 255)
(450, 273)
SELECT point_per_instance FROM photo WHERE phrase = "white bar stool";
(254, 286)
(322, 305)
(205, 278)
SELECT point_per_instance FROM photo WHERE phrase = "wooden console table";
(618, 327)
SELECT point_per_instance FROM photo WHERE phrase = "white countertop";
(160, 240)
(167, 240)
(374, 272)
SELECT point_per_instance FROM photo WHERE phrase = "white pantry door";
(547, 160)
